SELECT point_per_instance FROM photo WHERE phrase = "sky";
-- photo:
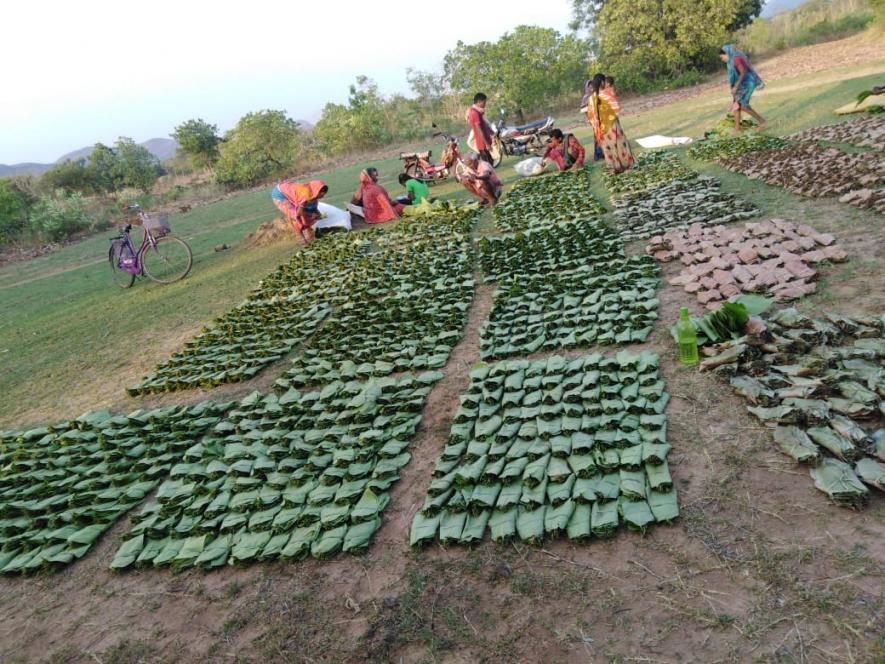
(77, 73)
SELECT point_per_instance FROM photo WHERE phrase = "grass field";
(759, 567)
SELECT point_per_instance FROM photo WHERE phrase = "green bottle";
(688, 339)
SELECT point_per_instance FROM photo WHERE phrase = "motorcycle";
(527, 139)
(419, 166)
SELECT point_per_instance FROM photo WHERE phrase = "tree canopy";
(198, 140)
(264, 144)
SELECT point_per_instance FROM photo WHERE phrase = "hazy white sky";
(75, 73)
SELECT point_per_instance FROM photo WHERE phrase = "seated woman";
(480, 179)
(300, 205)
(416, 191)
(377, 206)
(565, 151)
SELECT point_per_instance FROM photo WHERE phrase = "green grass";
(70, 340)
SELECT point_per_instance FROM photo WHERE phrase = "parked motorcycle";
(419, 166)
(527, 139)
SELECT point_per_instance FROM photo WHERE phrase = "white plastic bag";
(333, 217)
(529, 167)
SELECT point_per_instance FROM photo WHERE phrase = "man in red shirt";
(482, 132)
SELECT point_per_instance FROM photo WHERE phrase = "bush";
(828, 30)
(60, 217)
(15, 202)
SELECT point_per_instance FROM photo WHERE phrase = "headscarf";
(365, 178)
(298, 194)
(733, 74)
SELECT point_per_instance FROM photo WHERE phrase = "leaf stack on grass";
(651, 169)
(817, 381)
(678, 204)
(611, 302)
(722, 147)
(553, 447)
(538, 202)
(283, 477)
(64, 485)
(867, 132)
(771, 257)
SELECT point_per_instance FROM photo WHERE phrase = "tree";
(135, 166)
(70, 175)
(101, 168)
(263, 145)
(364, 123)
(199, 141)
(526, 70)
(585, 13)
(15, 202)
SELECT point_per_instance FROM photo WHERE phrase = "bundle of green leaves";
(538, 202)
(62, 486)
(678, 204)
(721, 147)
(563, 246)
(606, 303)
(551, 447)
(283, 477)
(652, 168)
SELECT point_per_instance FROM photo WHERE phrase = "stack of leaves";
(678, 204)
(553, 447)
(728, 321)
(812, 170)
(62, 486)
(722, 147)
(651, 169)
(437, 209)
(725, 127)
(543, 250)
(817, 381)
(283, 477)
(537, 202)
(868, 132)
(771, 257)
(610, 302)
(866, 199)
(448, 221)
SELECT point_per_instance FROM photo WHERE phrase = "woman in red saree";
(299, 203)
(602, 112)
(374, 200)
(565, 151)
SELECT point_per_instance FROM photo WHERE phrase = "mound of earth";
(270, 232)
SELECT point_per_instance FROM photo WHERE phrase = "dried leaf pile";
(678, 204)
(816, 381)
(812, 170)
(64, 485)
(283, 477)
(554, 447)
(557, 247)
(610, 302)
(538, 202)
(771, 257)
(868, 132)
(651, 169)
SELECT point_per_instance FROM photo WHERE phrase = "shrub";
(59, 217)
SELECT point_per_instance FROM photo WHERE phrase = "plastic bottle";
(688, 339)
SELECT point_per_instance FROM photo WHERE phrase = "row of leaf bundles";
(283, 477)
(450, 221)
(238, 345)
(62, 486)
(537, 202)
(606, 303)
(722, 147)
(551, 249)
(579, 444)
(409, 331)
(651, 168)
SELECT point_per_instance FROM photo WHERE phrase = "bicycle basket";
(157, 226)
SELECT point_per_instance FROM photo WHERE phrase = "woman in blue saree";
(743, 81)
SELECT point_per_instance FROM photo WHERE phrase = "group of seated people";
(299, 202)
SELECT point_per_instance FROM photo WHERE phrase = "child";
(416, 191)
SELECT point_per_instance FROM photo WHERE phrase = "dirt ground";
(759, 567)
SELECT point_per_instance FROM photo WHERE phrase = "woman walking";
(602, 112)
(743, 81)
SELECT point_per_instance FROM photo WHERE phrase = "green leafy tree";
(58, 217)
(102, 167)
(198, 140)
(585, 13)
(135, 166)
(365, 122)
(526, 70)
(70, 175)
(15, 202)
(263, 145)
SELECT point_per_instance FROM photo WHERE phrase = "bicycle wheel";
(169, 260)
(122, 278)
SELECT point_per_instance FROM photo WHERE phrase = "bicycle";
(162, 257)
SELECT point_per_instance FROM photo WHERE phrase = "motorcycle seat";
(415, 155)
(537, 124)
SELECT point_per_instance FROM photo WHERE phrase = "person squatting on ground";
(565, 151)
(376, 204)
(602, 112)
(481, 179)
(416, 191)
(300, 205)
(482, 131)
(743, 81)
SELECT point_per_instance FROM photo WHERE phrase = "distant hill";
(305, 125)
(161, 148)
(773, 7)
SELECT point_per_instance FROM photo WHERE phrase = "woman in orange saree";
(299, 203)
